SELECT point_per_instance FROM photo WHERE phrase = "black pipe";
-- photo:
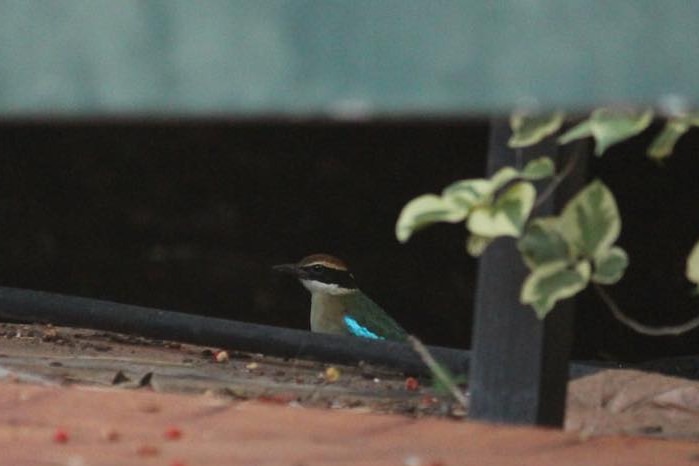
(71, 311)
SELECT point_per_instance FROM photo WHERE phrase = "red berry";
(173, 433)
(60, 436)
(411, 384)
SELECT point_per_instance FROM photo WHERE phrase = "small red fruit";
(173, 433)
(411, 384)
(61, 436)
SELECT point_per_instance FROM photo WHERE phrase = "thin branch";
(437, 370)
(639, 327)
(557, 180)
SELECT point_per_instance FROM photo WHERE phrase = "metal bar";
(519, 367)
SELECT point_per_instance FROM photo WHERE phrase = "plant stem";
(558, 179)
(639, 327)
(437, 370)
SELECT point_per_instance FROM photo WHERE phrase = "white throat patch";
(315, 286)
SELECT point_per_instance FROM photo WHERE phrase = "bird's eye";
(317, 268)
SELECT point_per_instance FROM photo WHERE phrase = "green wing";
(365, 318)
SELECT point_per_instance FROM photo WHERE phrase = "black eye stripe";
(328, 275)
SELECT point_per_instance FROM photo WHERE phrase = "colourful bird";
(338, 306)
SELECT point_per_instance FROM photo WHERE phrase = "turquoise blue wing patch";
(359, 330)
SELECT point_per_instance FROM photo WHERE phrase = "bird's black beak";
(291, 269)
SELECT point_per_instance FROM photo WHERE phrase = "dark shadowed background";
(191, 216)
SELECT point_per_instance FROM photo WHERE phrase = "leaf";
(476, 245)
(552, 282)
(543, 243)
(528, 130)
(590, 221)
(507, 215)
(693, 265)
(675, 127)
(579, 131)
(609, 126)
(664, 143)
(609, 266)
(426, 210)
(503, 176)
(538, 169)
(468, 193)
(441, 389)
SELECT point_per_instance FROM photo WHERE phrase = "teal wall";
(341, 58)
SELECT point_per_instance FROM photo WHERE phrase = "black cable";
(71, 311)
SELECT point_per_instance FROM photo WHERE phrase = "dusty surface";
(79, 397)
(71, 356)
(78, 426)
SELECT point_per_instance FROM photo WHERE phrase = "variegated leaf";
(543, 243)
(468, 193)
(528, 130)
(693, 265)
(503, 176)
(507, 215)
(426, 210)
(609, 126)
(552, 282)
(476, 245)
(590, 221)
(664, 143)
(610, 266)
(538, 169)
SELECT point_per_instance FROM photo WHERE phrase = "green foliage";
(426, 210)
(441, 388)
(693, 265)
(538, 169)
(664, 143)
(609, 126)
(610, 266)
(528, 129)
(491, 207)
(543, 243)
(564, 253)
(506, 215)
(476, 245)
(590, 221)
(552, 282)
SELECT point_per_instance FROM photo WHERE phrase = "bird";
(338, 306)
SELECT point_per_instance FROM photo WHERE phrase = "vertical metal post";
(519, 370)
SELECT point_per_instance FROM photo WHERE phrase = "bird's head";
(321, 273)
